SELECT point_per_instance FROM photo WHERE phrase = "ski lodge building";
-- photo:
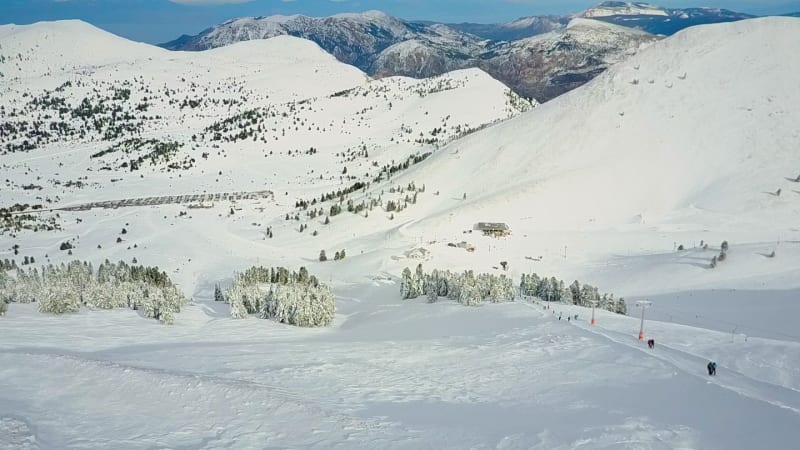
(494, 229)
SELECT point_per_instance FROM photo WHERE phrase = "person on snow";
(651, 343)
(712, 368)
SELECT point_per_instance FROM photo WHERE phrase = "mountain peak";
(611, 8)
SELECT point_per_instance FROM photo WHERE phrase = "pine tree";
(218, 297)
(469, 294)
(419, 281)
(575, 290)
(431, 289)
(622, 308)
(544, 290)
(407, 285)
(566, 296)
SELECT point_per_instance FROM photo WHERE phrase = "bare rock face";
(546, 66)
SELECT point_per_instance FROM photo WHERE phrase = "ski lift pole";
(594, 304)
(644, 305)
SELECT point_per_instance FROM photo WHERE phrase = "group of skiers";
(712, 366)
(651, 343)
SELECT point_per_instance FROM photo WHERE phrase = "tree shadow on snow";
(697, 264)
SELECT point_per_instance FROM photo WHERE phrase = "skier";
(712, 368)
(651, 343)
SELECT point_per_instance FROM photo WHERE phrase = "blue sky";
(158, 21)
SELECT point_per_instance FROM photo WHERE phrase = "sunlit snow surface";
(682, 143)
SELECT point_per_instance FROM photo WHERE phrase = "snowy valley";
(672, 177)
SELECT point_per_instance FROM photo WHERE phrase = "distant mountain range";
(538, 57)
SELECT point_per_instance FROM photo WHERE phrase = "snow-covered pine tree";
(587, 295)
(419, 281)
(218, 297)
(566, 296)
(407, 285)
(469, 294)
(555, 289)
(235, 298)
(299, 304)
(532, 286)
(575, 290)
(544, 290)
(622, 308)
(432, 288)
(441, 283)
(502, 289)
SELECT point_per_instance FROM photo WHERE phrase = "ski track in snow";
(694, 365)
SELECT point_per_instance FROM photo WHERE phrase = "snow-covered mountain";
(658, 20)
(382, 45)
(386, 46)
(550, 64)
(612, 8)
(516, 29)
(355, 39)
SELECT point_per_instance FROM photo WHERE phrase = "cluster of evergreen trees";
(466, 288)
(68, 287)
(554, 290)
(294, 298)
(470, 289)
(388, 170)
(723, 254)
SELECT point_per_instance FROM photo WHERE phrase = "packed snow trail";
(695, 365)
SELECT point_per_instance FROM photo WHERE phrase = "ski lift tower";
(644, 304)
(594, 304)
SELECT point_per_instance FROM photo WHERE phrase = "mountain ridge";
(382, 45)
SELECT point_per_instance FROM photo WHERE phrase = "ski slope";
(686, 142)
(387, 375)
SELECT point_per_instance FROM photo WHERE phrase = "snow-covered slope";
(659, 133)
(291, 120)
(683, 138)
(55, 52)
